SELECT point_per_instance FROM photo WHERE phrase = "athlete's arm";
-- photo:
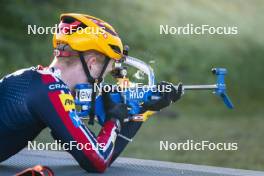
(54, 105)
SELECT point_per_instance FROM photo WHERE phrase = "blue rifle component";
(135, 97)
(83, 102)
(221, 86)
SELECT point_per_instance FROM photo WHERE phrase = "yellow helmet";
(83, 32)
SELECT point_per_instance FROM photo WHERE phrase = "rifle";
(134, 96)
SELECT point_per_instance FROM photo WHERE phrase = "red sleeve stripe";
(47, 79)
(94, 144)
(107, 140)
(110, 129)
(77, 134)
(107, 137)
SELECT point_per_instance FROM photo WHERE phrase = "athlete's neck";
(70, 75)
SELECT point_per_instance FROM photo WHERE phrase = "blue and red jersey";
(35, 98)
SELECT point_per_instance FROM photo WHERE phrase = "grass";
(247, 132)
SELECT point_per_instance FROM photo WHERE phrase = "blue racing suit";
(35, 98)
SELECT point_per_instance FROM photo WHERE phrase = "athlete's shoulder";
(48, 75)
(51, 77)
(19, 73)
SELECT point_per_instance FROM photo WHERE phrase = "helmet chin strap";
(93, 81)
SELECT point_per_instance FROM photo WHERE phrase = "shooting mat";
(63, 164)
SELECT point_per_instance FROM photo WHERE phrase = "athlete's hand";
(115, 111)
(167, 94)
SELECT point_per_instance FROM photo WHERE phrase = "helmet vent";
(71, 24)
(115, 48)
(110, 31)
(102, 25)
(68, 20)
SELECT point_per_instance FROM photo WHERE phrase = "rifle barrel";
(199, 87)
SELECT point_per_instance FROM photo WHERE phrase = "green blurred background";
(186, 58)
